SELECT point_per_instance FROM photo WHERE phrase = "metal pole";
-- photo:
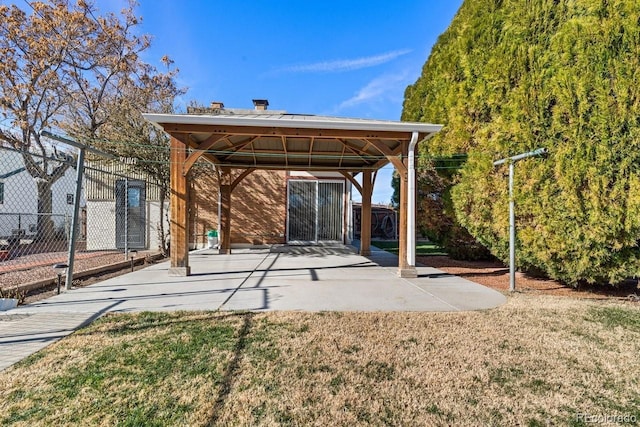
(219, 228)
(76, 203)
(316, 212)
(512, 215)
(126, 218)
(512, 233)
(74, 219)
(76, 144)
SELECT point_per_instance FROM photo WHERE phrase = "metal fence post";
(512, 233)
(75, 218)
(126, 218)
(78, 194)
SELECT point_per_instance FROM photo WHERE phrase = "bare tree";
(128, 134)
(63, 67)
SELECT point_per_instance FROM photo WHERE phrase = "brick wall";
(258, 208)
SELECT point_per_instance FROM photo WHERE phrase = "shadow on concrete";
(435, 275)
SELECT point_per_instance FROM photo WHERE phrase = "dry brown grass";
(533, 361)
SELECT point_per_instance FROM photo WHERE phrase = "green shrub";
(436, 215)
(510, 76)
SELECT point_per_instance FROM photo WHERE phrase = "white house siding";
(101, 178)
(153, 222)
(21, 196)
(101, 225)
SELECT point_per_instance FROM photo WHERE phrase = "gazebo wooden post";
(225, 220)
(404, 269)
(179, 201)
(365, 219)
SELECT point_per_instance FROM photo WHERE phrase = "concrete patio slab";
(283, 278)
(305, 278)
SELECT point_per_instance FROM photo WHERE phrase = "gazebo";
(238, 144)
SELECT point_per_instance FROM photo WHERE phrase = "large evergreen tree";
(509, 76)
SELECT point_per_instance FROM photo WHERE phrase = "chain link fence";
(119, 217)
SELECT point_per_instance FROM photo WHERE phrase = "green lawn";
(535, 361)
(422, 248)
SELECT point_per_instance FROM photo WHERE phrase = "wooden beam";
(293, 166)
(225, 211)
(380, 163)
(202, 148)
(253, 153)
(240, 146)
(357, 151)
(227, 185)
(365, 217)
(300, 154)
(390, 154)
(352, 180)
(240, 177)
(284, 147)
(279, 131)
(179, 212)
(185, 139)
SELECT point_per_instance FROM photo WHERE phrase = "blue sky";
(325, 57)
(342, 58)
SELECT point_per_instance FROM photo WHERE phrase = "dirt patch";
(496, 275)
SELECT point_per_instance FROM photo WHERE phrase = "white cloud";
(382, 87)
(346, 64)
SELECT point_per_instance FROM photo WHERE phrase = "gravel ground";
(22, 273)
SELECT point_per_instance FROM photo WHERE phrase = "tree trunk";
(45, 228)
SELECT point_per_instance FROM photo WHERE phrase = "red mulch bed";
(496, 275)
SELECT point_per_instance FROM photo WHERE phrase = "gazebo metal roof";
(268, 140)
